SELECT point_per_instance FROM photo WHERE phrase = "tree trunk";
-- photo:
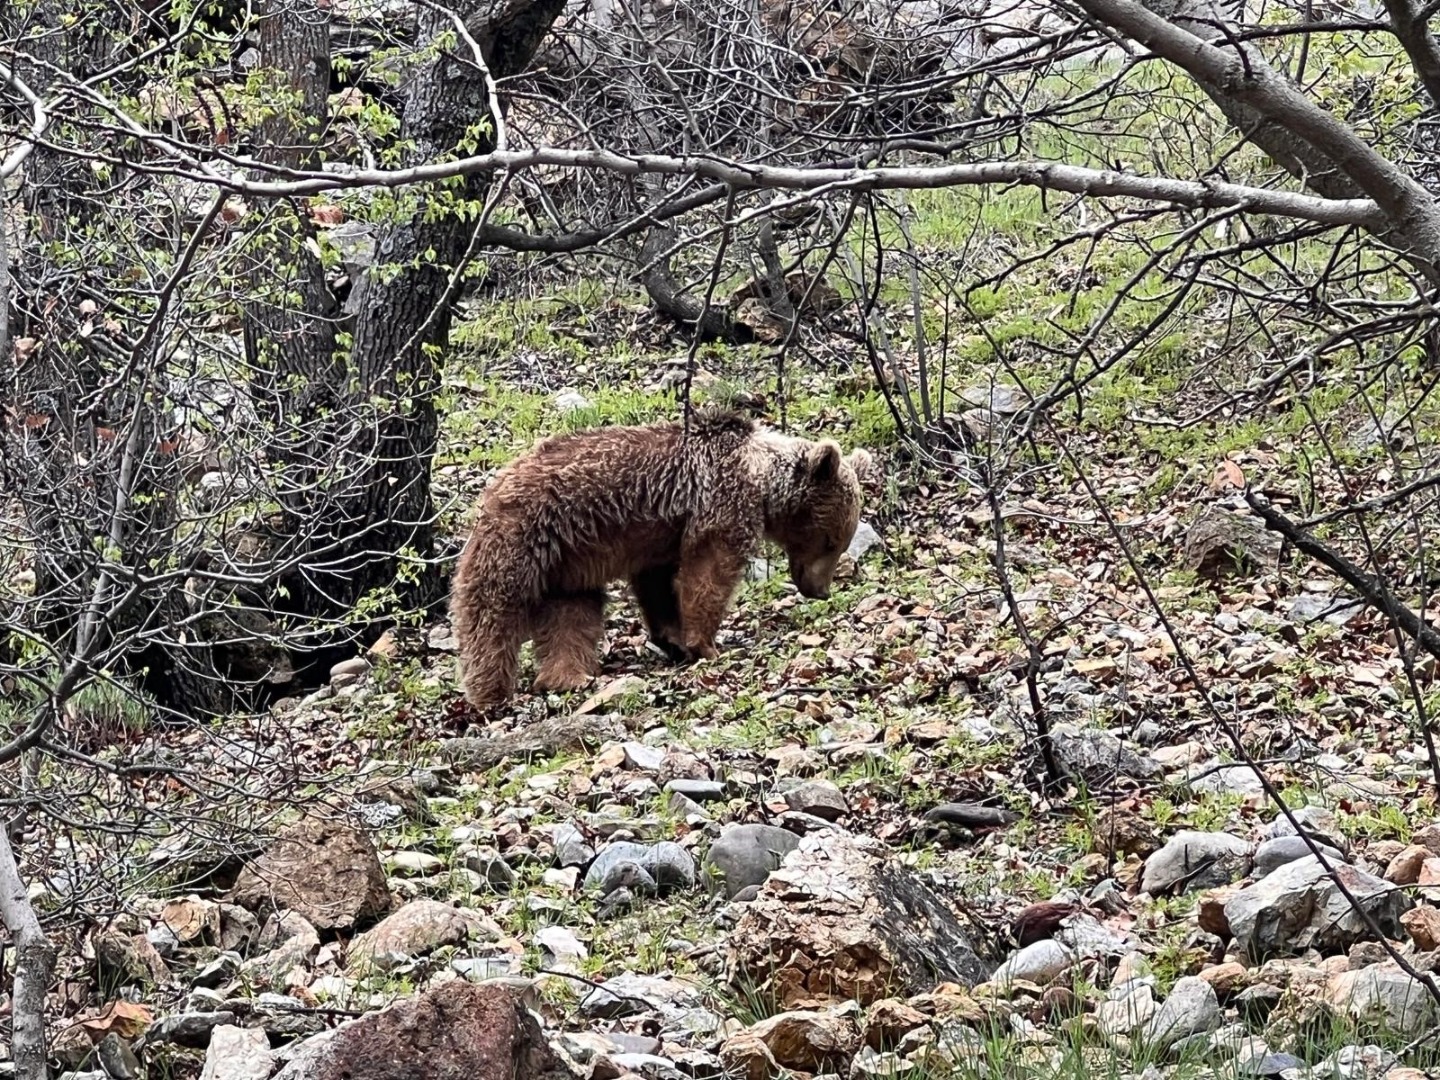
(357, 438)
(34, 964)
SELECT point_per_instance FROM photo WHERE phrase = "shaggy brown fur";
(676, 516)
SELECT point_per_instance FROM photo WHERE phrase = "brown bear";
(677, 515)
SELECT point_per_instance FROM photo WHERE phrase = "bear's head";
(814, 520)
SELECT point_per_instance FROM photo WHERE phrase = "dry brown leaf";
(126, 1019)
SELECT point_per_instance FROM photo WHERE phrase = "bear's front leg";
(710, 572)
(654, 589)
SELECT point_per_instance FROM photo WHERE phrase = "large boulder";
(841, 920)
(327, 871)
(1299, 907)
(418, 928)
(455, 1031)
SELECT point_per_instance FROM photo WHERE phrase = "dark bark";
(357, 434)
(710, 323)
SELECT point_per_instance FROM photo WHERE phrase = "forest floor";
(867, 721)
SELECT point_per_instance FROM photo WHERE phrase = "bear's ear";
(862, 463)
(824, 461)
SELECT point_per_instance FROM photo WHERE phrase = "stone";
(1404, 868)
(117, 1059)
(194, 921)
(571, 847)
(1385, 995)
(238, 928)
(1226, 979)
(218, 972)
(1127, 1008)
(809, 1041)
(1100, 758)
(326, 871)
(1219, 778)
(494, 871)
(889, 1020)
(642, 758)
(1195, 860)
(238, 1053)
(1038, 962)
(1191, 1008)
(128, 958)
(697, 791)
(841, 919)
(290, 941)
(1219, 542)
(1278, 851)
(818, 797)
(564, 951)
(746, 1057)
(414, 863)
(678, 1002)
(456, 1030)
(1298, 907)
(864, 539)
(664, 867)
(1422, 923)
(1319, 824)
(192, 1029)
(418, 928)
(745, 855)
(350, 669)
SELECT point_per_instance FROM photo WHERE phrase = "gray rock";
(191, 1029)
(1257, 1001)
(649, 1065)
(1195, 860)
(685, 808)
(1190, 1009)
(1356, 1063)
(1219, 778)
(629, 994)
(570, 399)
(118, 1060)
(1127, 1008)
(494, 870)
(1298, 907)
(662, 867)
(1383, 992)
(480, 968)
(744, 855)
(1100, 758)
(818, 797)
(864, 539)
(1268, 1064)
(1282, 850)
(238, 1053)
(571, 847)
(1038, 962)
(238, 928)
(701, 791)
(166, 943)
(1318, 823)
(218, 972)
(349, 670)
(643, 758)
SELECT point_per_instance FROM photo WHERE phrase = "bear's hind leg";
(654, 590)
(567, 634)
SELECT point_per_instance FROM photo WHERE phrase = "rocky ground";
(833, 851)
